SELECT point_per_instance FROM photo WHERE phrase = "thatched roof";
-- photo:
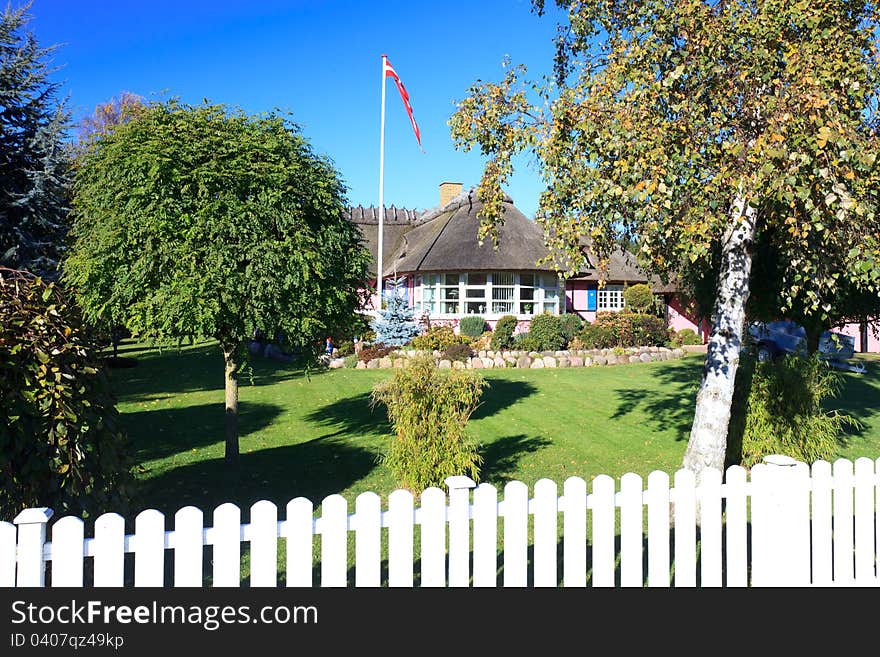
(622, 268)
(397, 222)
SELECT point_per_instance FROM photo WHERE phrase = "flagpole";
(381, 188)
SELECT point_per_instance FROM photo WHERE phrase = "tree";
(397, 325)
(61, 445)
(700, 127)
(194, 222)
(34, 177)
(639, 298)
(119, 109)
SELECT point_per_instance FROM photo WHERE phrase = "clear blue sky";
(319, 59)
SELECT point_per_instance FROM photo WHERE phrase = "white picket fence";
(783, 523)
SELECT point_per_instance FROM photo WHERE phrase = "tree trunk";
(231, 386)
(708, 441)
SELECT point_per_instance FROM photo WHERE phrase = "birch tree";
(695, 128)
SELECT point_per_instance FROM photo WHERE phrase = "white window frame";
(609, 298)
(542, 284)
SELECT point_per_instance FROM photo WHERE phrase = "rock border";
(490, 359)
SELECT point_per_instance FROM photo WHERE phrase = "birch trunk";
(708, 441)
(231, 387)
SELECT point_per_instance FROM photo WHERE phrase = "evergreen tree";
(397, 326)
(34, 178)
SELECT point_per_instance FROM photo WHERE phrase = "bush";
(351, 361)
(524, 342)
(626, 330)
(597, 336)
(458, 351)
(61, 445)
(570, 325)
(638, 298)
(376, 351)
(472, 326)
(687, 336)
(777, 409)
(345, 348)
(436, 337)
(546, 333)
(502, 337)
(482, 342)
(429, 409)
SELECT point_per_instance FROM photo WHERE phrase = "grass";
(315, 435)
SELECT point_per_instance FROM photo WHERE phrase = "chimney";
(448, 191)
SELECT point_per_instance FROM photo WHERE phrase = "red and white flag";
(391, 73)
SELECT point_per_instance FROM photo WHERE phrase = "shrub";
(638, 298)
(429, 409)
(61, 445)
(436, 337)
(688, 336)
(396, 324)
(502, 337)
(482, 342)
(345, 348)
(458, 351)
(570, 325)
(351, 361)
(626, 330)
(777, 409)
(472, 326)
(546, 332)
(597, 336)
(524, 341)
(376, 351)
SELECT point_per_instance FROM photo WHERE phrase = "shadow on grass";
(312, 469)
(501, 458)
(159, 433)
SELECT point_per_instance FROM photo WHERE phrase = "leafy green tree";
(204, 222)
(34, 171)
(639, 298)
(61, 445)
(698, 127)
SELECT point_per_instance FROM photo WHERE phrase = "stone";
(538, 364)
(362, 365)
(373, 364)
(477, 363)
(664, 350)
(549, 361)
(598, 360)
(523, 361)
(562, 361)
(337, 364)
(547, 353)
(574, 361)
(481, 353)
(386, 363)
(398, 362)
(635, 358)
(488, 363)
(653, 350)
(436, 353)
(445, 364)
(678, 353)
(611, 359)
(499, 361)
(457, 365)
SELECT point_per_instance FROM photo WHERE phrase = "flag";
(391, 73)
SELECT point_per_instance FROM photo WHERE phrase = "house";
(448, 274)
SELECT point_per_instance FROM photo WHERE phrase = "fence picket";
(685, 533)
(300, 540)
(7, 554)
(189, 550)
(433, 520)
(516, 530)
(400, 539)
(574, 533)
(877, 515)
(822, 484)
(67, 552)
(227, 546)
(459, 527)
(631, 572)
(109, 550)
(601, 503)
(368, 540)
(264, 544)
(864, 520)
(709, 495)
(658, 529)
(149, 549)
(485, 536)
(736, 527)
(546, 514)
(843, 521)
(334, 541)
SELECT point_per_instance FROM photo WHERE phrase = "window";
(527, 294)
(450, 303)
(475, 294)
(428, 301)
(610, 297)
(550, 288)
(502, 293)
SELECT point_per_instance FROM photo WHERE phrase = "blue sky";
(321, 60)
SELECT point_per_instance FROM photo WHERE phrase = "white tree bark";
(708, 442)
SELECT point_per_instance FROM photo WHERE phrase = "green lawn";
(315, 436)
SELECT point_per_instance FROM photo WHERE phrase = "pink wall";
(682, 316)
(873, 345)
